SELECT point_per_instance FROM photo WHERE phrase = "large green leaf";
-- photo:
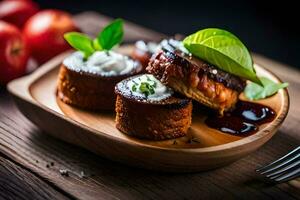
(224, 50)
(254, 91)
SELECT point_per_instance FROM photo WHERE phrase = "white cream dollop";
(160, 90)
(104, 63)
(151, 47)
(175, 43)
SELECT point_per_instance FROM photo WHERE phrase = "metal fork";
(284, 169)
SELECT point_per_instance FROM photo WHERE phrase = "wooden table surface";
(30, 160)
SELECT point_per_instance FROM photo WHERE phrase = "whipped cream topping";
(104, 63)
(147, 86)
(176, 44)
(153, 47)
(150, 47)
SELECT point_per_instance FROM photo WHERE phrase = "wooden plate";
(202, 149)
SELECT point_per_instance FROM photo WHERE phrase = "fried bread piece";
(155, 120)
(89, 90)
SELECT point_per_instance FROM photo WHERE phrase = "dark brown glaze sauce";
(243, 120)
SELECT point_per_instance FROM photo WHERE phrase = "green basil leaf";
(80, 42)
(111, 35)
(254, 91)
(96, 45)
(224, 50)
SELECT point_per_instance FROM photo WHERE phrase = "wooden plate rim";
(46, 68)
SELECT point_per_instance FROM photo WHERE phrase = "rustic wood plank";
(18, 183)
(24, 143)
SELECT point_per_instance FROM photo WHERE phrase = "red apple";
(44, 33)
(14, 53)
(17, 11)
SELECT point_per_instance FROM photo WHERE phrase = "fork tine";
(279, 165)
(283, 170)
(289, 176)
(278, 161)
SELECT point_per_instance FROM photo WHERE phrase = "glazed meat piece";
(195, 78)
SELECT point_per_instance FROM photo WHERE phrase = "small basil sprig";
(145, 87)
(110, 36)
(254, 91)
(80, 42)
(224, 50)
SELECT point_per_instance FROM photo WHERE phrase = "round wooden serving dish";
(202, 149)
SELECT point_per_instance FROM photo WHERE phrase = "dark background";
(268, 28)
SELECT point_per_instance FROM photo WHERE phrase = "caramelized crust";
(86, 90)
(197, 80)
(153, 121)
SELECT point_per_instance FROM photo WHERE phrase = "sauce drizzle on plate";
(243, 120)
